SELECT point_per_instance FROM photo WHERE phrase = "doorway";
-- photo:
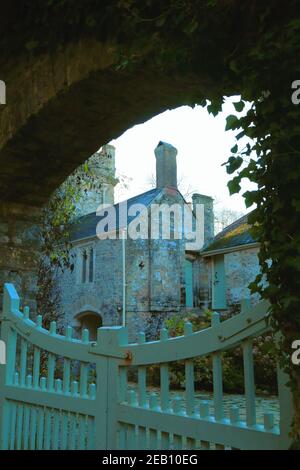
(218, 283)
(90, 321)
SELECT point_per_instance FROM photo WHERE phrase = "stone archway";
(91, 321)
(61, 65)
(68, 92)
(78, 77)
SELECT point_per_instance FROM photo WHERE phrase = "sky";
(202, 144)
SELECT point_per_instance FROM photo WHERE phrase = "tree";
(58, 216)
(184, 187)
(224, 217)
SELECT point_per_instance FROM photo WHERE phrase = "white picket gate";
(57, 392)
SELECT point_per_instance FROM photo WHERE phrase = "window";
(87, 265)
(91, 265)
(84, 260)
(172, 226)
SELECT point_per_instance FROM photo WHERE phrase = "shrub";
(232, 362)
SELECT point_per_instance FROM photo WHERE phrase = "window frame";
(89, 265)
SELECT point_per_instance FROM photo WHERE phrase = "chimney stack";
(208, 203)
(166, 166)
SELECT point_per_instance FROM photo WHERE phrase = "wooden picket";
(83, 399)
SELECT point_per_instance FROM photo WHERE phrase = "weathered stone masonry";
(154, 268)
(19, 249)
(154, 278)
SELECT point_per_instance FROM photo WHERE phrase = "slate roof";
(85, 226)
(236, 234)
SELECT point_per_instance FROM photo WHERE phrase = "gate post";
(286, 409)
(285, 404)
(11, 301)
(109, 340)
(2, 375)
(4, 411)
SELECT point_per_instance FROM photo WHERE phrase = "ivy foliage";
(272, 161)
(59, 215)
(259, 60)
(56, 247)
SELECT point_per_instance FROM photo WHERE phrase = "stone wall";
(241, 268)
(154, 279)
(19, 250)
(104, 294)
(153, 283)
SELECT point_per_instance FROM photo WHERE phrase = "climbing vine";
(273, 163)
(56, 248)
(261, 66)
(59, 216)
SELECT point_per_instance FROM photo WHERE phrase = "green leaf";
(233, 164)
(232, 122)
(234, 149)
(30, 45)
(90, 21)
(215, 107)
(240, 135)
(160, 21)
(233, 66)
(251, 197)
(239, 106)
(234, 185)
(191, 27)
(248, 151)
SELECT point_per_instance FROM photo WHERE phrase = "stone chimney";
(166, 166)
(208, 204)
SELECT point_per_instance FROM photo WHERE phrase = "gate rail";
(57, 392)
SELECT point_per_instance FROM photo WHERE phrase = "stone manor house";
(141, 282)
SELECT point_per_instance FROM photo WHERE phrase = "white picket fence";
(57, 392)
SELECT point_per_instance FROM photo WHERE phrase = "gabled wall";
(154, 279)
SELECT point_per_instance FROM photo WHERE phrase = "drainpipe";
(124, 276)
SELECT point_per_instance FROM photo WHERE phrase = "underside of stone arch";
(77, 78)
(77, 121)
